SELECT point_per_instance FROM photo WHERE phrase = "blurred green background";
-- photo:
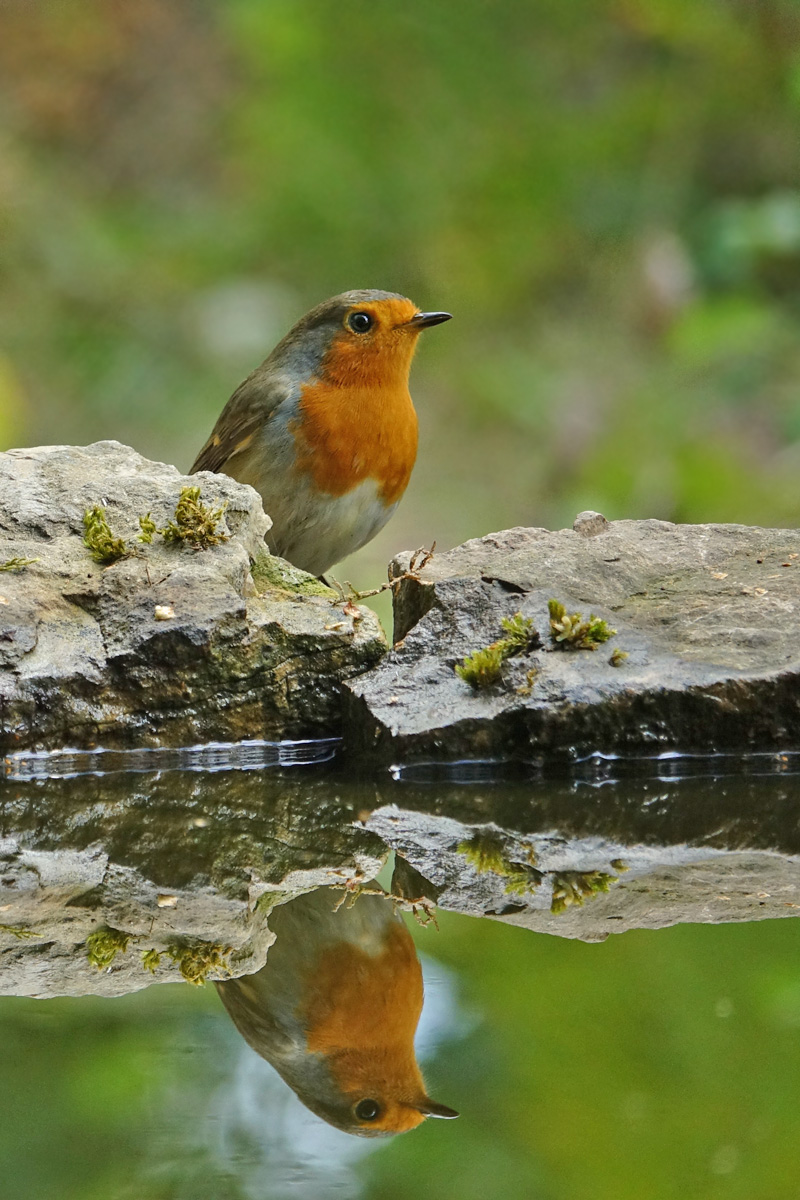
(604, 192)
(606, 195)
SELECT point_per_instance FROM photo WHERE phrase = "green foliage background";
(605, 194)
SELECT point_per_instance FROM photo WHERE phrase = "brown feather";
(247, 411)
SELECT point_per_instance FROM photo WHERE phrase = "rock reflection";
(335, 1011)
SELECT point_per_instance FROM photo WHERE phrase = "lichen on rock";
(273, 573)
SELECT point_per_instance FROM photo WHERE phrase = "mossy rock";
(271, 573)
(165, 641)
(705, 658)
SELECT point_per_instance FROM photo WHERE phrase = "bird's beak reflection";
(431, 1109)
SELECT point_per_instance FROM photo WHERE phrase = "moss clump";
(521, 635)
(196, 960)
(98, 538)
(483, 668)
(104, 944)
(270, 573)
(196, 524)
(148, 528)
(519, 883)
(573, 887)
(618, 657)
(19, 932)
(570, 631)
(17, 564)
(486, 852)
(151, 960)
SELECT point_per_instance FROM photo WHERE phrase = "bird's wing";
(247, 411)
(258, 1019)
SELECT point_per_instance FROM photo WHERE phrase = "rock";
(142, 865)
(168, 645)
(589, 523)
(583, 891)
(707, 615)
(173, 866)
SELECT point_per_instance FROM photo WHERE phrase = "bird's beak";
(430, 1109)
(425, 320)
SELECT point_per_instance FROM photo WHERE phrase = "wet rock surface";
(168, 645)
(707, 617)
(599, 855)
(183, 867)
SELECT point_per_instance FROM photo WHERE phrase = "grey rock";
(173, 859)
(708, 615)
(168, 646)
(173, 862)
(677, 840)
(584, 888)
(590, 523)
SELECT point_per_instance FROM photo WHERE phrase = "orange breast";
(362, 1015)
(349, 434)
(356, 419)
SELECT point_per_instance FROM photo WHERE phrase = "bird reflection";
(335, 1010)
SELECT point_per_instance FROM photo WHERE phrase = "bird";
(335, 1009)
(325, 429)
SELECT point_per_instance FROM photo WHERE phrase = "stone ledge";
(708, 615)
(167, 646)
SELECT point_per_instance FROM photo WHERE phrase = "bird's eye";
(367, 1110)
(359, 322)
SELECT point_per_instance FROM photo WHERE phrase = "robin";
(325, 428)
(335, 1010)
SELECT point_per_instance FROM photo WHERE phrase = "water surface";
(659, 1061)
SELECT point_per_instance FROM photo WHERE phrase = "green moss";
(104, 944)
(526, 688)
(196, 524)
(148, 528)
(521, 635)
(483, 668)
(17, 564)
(269, 900)
(571, 888)
(519, 883)
(98, 538)
(270, 572)
(485, 851)
(618, 657)
(570, 631)
(19, 931)
(151, 960)
(198, 958)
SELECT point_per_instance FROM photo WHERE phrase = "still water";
(611, 978)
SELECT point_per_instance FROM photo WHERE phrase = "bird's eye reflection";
(367, 1110)
(335, 1007)
(360, 322)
